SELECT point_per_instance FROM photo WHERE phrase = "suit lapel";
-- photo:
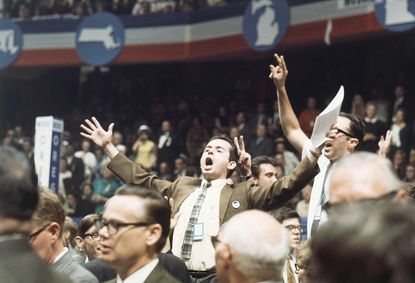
(155, 275)
(225, 197)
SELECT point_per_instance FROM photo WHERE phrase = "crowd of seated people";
(66, 9)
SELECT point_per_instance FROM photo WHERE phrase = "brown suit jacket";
(158, 275)
(233, 198)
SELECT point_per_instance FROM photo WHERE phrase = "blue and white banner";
(11, 42)
(265, 23)
(396, 15)
(48, 140)
(100, 38)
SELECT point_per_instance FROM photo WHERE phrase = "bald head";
(362, 175)
(258, 245)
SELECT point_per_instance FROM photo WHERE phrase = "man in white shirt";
(46, 238)
(206, 204)
(134, 229)
(346, 135)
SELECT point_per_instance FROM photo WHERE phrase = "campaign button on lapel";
(236, 204)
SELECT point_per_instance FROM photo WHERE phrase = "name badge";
(198, 231)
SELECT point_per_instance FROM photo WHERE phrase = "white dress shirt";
(203, 253)
(140, 275)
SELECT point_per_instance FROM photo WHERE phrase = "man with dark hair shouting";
(205, 204)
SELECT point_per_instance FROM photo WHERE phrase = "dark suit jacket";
(172, 264)
(18, 264)
(158, 275)
(233, 199)
(77, 273)
(264, 147)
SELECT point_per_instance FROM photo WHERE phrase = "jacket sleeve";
(276, 194)
(132, 173)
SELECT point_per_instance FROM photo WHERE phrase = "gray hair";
(256, 255)
(358, 161)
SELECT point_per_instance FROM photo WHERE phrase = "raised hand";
(94, 131)
(279, 72)
(384, 144)
(244, 161)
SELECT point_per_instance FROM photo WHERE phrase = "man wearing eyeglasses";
(345, 137)
(290, 219)
(134, 228)
(46, 238)
(88, 237)
(18, 201)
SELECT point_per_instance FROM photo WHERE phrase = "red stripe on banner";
(300, 35)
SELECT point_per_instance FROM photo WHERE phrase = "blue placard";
(100, 38)
(54, 161)
(265, 23)
(396, 15)
(11, 42)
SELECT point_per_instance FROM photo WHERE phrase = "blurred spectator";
(399, 163)
(366, 243)
(46, 239)
(164, 172)
(222, 123)
(302, 206)
(409, 173)
(77, 167)
(308, 116)
(382, 104)
(85, 205)
(117, 139)
(196, 136)
(167, 144)
(65, 179)
(241, 124)
(374, 129)
(260, 118)
(104, 189)
(304, 265)
(234, 133)
(88, 158)
(358, 106)
(145, 149)
(290, 159)
(180, 166)
(290, 219)
(261, 144)
(88, 237)
(401, 101)
(400, 132)
(263, 170)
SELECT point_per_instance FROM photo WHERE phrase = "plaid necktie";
(317, 215)
(188, 235)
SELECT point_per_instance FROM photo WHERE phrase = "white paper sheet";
(326, 119)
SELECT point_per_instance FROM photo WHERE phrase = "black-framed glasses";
(33, 235)
(345, 133)
(330, 207)
(94, 236)
(291, 228)
(113, 226)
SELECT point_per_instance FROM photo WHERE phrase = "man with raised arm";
(205, 204)
(345, 137)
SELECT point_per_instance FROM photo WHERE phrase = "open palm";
(94, 131)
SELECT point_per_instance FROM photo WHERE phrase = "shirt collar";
(214, 183)
(141, 274)
(59, 256)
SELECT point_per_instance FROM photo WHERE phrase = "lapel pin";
(236, 204)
